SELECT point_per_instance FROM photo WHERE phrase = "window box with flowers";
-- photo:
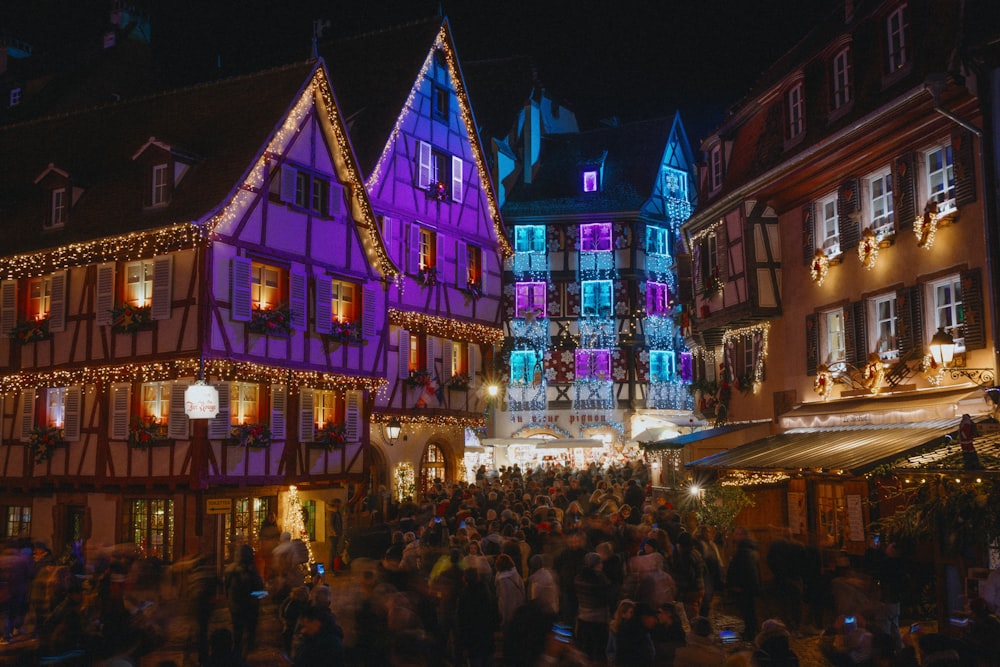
(31, 331)
(346, 332)
(418, 379)
(43, 442)
(712, 285)
(472, 291)
(458, 381)
(251, 436)
(128, 319)
(438, 191)
(330, 436)
(427, 276)
(273, 322)
(146, 433)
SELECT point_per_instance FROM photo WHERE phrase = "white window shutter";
(57, 303)
(388, 233)
(352, 416)
(447, 369)
(297, 299)
(72, 413)
(121, 395)
(430, 351)
(177, 419)
(368, 312)
(414, 246)
(27, 413)
(307, 416)
(279, 406)
(473, 365)
(424, 169)
(456, 178)
(439, 255)
(288, 176)
(484, 258)
(219, 428)
(461, 265)
(163, 278)
(104, 294)
(239, 289)
(8, 306)
(404, 354)
(323, 305)
(336, 198)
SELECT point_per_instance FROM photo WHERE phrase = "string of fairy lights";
(748, 333)
(445, 328)
(417, 420)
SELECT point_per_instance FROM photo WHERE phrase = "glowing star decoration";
(294, 522)
(824, 382)
(873, 373)
(868, 249)
(925, 226)
(819, 267)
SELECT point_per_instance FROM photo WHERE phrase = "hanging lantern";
(868, 249)
(820, 265)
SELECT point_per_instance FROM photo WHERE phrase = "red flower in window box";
(271, 322)
(427, 277)
(30, 331)
(144, 433)
(251, 435)
(43, 442)
(438, 191)
(331, 436)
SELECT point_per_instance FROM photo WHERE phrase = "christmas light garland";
(819, 267)
(430, 420)
(702, 233)
(868, 249)
(749, 333)
(753, 478)
(445, 328)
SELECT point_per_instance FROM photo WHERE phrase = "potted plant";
(438, 191)
(257, 436)
(145, 432)
(331, 436)
(346, 332)
(459, 381)
(43, 442)
(418, 379)
(427, 276)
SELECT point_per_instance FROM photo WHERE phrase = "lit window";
(328, 407)
(426, 248)
(880, 199)
(590, 180)
(39, 298)
(459, 358)
(828, 231)
(529, 238)
(884, 321)
(417, 354)
(244, 405)
(439, 174)
(593, 365)
(662, 366)
(345, 305)
(57, 212)
(139, 283)
(715, 166)
(941, 178)
(657, 298)
(834, 340)
(266, 286)
(525, 368)
(842, 78)
(896, 28)
(946, 295)
(474, 265)
(159, 185)
(18, 521)
(148, 523)
(15, 96)
(595, 237)
(530, 299)
(596, 299)
(675, 183)
(156, 401)
(55, 407)
(656, 241)
(795, 110)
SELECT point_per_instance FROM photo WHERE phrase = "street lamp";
(391, 430)
(942, 348)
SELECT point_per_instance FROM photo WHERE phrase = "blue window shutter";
(456, 178)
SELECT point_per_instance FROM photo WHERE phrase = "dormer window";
(590, 180)
(58, 209)
(896, 39)
(715, 168)
(163, 167)
(58, 196)
(15, 97)
(160, 186)
(795, 117)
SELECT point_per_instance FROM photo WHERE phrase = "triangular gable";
(152, 142)
(51, 169)
(445, 43)
(314, 94)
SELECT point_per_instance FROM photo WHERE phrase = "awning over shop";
(545, 443)
(902, 408)
(721, 437)
(849, 449)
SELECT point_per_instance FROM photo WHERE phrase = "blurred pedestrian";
(244, 588)
(743, 580)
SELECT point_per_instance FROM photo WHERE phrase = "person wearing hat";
(700, 650)
(773, 649)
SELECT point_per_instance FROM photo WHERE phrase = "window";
(829, 228)
(795, 112)
(656, 241)
(593, 365)
(941, 178)
(440, 97)
(459, 360)
(657, 298)
(709, 254)
(267, 287)
(426, 248)
(662, 366)
(946, 295)
(880, 200)
(831, 508)
(345, 301)
(149, 524)
(842, 78)
(328, 407)
(715, 167)
(896, 29)
(39, 298)
(440, 175)
(675, 183)
(58, 209)
(433, 469)
(590, 180)
(596, 300)
(156, 401)
(529, 238)
(474, 265)
(309, 191)
(530, 298)
(15, 96)
(244, 404)
(883, 317)
(417, 357)
(55, 407)
(139, 283)
(595, 237)
(833, 346)
(525, 368)
(18, 521)
(160, 185)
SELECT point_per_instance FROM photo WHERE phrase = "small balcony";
(593, 395)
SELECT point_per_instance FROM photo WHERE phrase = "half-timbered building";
(219, 234)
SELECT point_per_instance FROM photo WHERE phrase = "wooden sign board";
(218, 506)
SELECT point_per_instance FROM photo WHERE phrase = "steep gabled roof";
(226, 124)
(372, 75)
(631, 153)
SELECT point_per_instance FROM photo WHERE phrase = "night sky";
(630, 58)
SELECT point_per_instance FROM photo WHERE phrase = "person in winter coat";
(243, 585)
(509, 589)
(541, 586)
(773, 649)
(476, 619)
(743, 579)
(593, 594)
